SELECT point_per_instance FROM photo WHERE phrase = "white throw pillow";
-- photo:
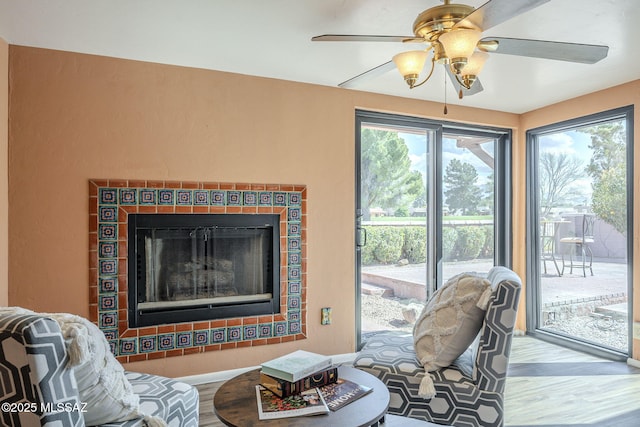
(449, 323)
(102, 385)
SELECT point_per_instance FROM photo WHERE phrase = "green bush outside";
(470, 242)
(389, 244)
(449, 238)
(384, 245)
(487, 250)
(415, 244)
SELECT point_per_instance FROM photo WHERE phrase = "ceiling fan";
(453, 35)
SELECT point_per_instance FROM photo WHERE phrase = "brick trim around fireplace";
(110, 203)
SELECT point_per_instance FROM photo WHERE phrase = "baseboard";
(210, 377)
(633, 362)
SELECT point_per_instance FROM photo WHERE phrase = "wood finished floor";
(547, 386)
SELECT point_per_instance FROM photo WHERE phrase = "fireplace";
(185, 268)
(116, 297)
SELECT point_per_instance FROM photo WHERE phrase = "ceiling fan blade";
(495, 12)
(561, 51)
(476, 87)
(365, 38)
(369, 74)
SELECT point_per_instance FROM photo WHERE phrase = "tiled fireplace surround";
(110, 203)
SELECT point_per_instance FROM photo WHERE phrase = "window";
(579, 233)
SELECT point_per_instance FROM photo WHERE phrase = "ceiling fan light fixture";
(472, 69)
(439, 55)
(459, 46)
(410, 64)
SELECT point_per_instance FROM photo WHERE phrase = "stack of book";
(303, 383)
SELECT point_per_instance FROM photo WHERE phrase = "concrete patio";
(566, 300)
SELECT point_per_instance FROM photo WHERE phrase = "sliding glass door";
(580, 243)
(426, 210)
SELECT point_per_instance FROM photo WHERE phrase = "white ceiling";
(272, 39)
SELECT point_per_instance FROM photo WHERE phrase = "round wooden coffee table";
(235, 403)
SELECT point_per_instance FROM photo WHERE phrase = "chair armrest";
(494, 347)
(34, 354)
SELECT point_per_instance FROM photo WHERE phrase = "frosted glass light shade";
(474, 64)
(460, 43)
(411, 62)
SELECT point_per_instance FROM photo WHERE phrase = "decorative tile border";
(111, 202)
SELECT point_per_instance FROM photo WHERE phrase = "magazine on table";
(342, 393)
(270, 406)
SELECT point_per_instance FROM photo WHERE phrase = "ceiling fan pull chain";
(445, 93)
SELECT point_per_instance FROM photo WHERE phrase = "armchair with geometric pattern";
(468, 393)
(39, 384)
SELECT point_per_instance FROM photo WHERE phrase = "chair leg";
(585, 251)
(555, 262)
(571, 250)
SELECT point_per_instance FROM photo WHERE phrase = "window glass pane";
(393, 199)
(582, 220)
(468, 204)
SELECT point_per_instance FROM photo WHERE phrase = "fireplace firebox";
(185, 268)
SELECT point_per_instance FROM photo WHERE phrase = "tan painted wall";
(619, 96)
(76, 117)
(4, 173)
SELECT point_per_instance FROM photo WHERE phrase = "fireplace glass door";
(214, 265)
(219, 264)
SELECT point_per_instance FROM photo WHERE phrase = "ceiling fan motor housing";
(437, 20)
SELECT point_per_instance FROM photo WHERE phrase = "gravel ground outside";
(390, 313)
(608, 331)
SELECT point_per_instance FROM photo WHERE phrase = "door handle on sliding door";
(361, 239)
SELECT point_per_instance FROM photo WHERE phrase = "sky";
(418, 155)
(571, 142)
(575, 144)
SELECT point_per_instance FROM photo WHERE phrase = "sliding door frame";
(502, 193)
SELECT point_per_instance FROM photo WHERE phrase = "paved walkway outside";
(609, 278)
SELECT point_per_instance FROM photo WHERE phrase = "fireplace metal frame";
(150, 317)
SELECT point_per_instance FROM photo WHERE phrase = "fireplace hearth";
(199, 267)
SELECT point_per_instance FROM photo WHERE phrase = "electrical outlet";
(325, 316)
(636, 330)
